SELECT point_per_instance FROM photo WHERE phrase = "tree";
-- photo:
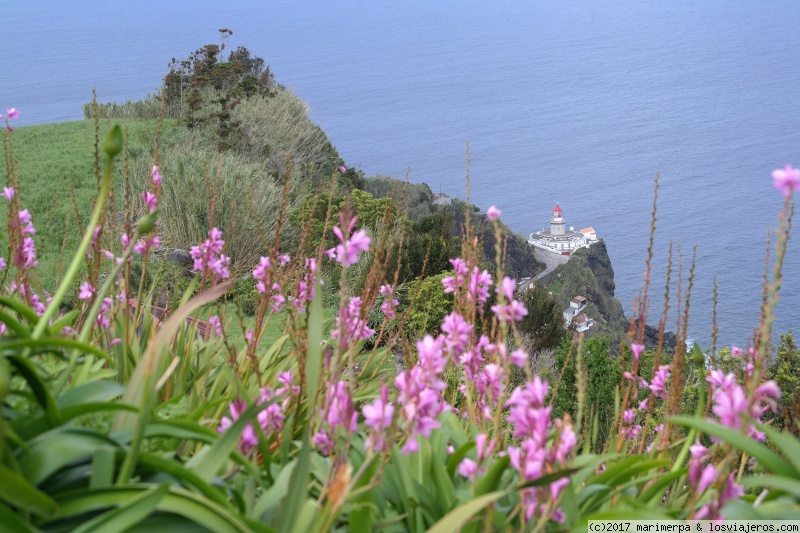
(603, 376)
(544, 326)
(430, 307)
(786, 373)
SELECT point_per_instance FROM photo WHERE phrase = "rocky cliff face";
(589, 273)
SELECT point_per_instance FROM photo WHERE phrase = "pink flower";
(520, 358)
(657, 387)
(8, 192)
(698, 451)
(493, 213)
(337, 412)
(346, 253)
(341, 169)
(378, 416)
(507, 288)
(420, 392)
(208, 257)
(86, 291)
(350, 325)
(151, 200)
(457, 332)
(390, 303)
(143, 245)
(786, 180)
(2, 263)
(155, 175)
(12, 113)
(214, 322)
(707, 477)
(637, 350)
(468, 468)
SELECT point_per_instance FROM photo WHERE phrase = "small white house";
(583, 323)
(441, 199)
(572, 314)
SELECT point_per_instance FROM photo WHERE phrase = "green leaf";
(102, 468)
(20, 308)
(314, 349)
(785, 442)
(212, 460)
(491, 479)
(20, 493)
(271, 498)
(10, 521)
(40, 390)
(128, 514)
(458, 517)
(58, 324)
(277, 346)
(457, 456)
(30, 428)
(782, 483)
(195, 507)
(57, 448)
(14, 325)
(768, 459)
(185, 476)
(95, 391)
(444, 484)
(298, 485)
(658, 488)
(54, 344)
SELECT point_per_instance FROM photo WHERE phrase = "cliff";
(589, 273)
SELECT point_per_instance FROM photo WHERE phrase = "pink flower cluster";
(350, 326)
(534, 457)
(305, 287)
(270, 419)
(514, 310)
(420, 392)
(702, 476)
(264, 273)
(215, 323)
(630, 431)
(209, 259)
(658, 387)
(346, 253)
(390, 303)
(475, 281)
(733, 407)
(337, 412)
(25, 252)
(786, 180)
(473, 469)
(12, 114)
(378, 416)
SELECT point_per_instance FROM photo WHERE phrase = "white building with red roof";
(561, 240)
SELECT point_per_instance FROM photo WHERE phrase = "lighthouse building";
(559, 238)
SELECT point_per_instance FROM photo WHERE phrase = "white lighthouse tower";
(557, 223)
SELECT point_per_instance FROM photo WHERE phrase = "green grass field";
(57, 181)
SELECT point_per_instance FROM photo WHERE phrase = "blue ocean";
(576, 102)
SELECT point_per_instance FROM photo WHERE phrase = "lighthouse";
(557, 223)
